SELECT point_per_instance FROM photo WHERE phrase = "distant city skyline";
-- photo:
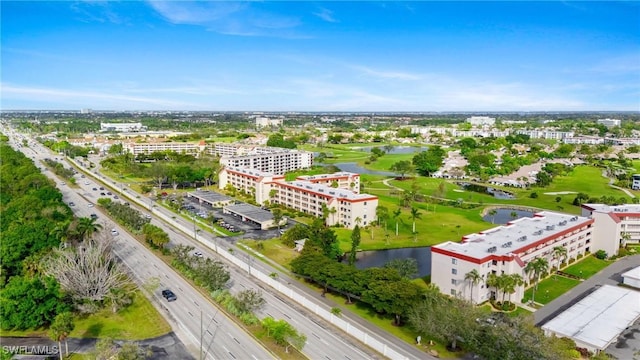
(321, 56)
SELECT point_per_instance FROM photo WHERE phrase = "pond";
(504, 215)
(355, 168)
(377, 258)
(497, 193)
(395, 149)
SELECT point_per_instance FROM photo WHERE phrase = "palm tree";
(512, 282)
(396, 215)
(559, 252)
(473, 277)
(357, 220)
(415, 214)
(61, 232)
(624, 237)
(382, 213)
(87, 227)
(493, 281)
(536, 267)
(493, 213)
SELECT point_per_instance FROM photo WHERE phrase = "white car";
(197, 253)
(90, 205)
(86, 183)
(114, 232)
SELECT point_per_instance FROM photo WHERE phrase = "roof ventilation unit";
(492, 249)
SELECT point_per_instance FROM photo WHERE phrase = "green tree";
(355, 242)
(392, 297)
(59, 330)
(474, 278)
(283, 333)
(406, 268)
(277, 216)
(382, 214)
(415, 214)
(536, 267)
(559, 253)
(30, 303)
(249, 300)
(86, 227)
(402, 167)
(493, 213)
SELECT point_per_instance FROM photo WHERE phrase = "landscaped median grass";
(138, 321)
(550, 288)
(587, 267)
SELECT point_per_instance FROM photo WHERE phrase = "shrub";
(601, 254)
(533, 195)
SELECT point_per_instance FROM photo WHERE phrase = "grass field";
(587, 267)
(550, 288)
(138, 321)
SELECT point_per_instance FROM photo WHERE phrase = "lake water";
(497, 193)
(377, 258)
(355, 168)
(395, 150)
(503, 216)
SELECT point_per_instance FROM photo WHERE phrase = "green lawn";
(587, 267)
(138, 321)
(550, 288)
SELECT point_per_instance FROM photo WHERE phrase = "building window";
(453, 292)
(454, 261)
(454, 282)
(454, 271)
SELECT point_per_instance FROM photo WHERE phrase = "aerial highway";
(323, 340)
(194, 314)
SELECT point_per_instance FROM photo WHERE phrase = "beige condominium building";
(616, 225)
(345, 207)
(507, 249)
(278, 162)
(342, 180)
(178, 147)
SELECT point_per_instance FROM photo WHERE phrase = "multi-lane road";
(221, 338)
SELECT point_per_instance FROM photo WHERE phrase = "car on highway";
(86, 183)
(101, 188)
(94, 189)
(94, 216)
(114, 232)
(197, 253)
(169, 295)
(72, 203)
(90, 205)
(63, 183)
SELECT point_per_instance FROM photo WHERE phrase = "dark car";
(169, 295)
(94, 216)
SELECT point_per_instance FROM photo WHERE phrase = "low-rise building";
(266, 160)
(341, 180)
(481, 120)
(266, 122)
(507, 249)
(609, 122)
(616, 225)
(635, 181)
(632, 277)
(251, 181)
(344, 207)
(122, 127)
(546, 134)
(179, 147)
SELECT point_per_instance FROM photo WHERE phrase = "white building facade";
(507, 249)
(481, 121)
(341, 180)
(616, 225)
(273, 162)
(122, 127)
(251, 181)
(178, 147)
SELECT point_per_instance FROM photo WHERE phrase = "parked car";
(114, 232)
(197, 253)
(169, 295)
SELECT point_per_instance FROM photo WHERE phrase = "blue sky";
(321, 56)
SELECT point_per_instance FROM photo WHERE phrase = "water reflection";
(377, 258)
(504, 215)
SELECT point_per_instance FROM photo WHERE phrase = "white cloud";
(77, 97)
(229, 18)
(326, 15)
(397, 75)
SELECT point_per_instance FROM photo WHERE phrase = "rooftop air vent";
(492, 249)
(575, 218)
(550, 227)
(507, 244)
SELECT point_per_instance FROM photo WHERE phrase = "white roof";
(631, 208)
(632, 274)
(328, 190)
(599, 318)
(517, 234)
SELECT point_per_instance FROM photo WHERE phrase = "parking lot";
(246, 229)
